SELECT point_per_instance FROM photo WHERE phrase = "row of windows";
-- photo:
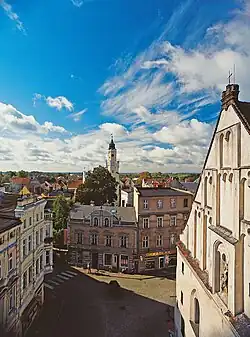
(159, 241)
(11, 265)
(93, 238)
(28, 245)
(11, 235)
(159, 203)
(38, 218)
(96, 222)
(173, 221)
(28, 274)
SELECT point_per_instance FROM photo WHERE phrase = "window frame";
(111, 258)
(159, 218)
(123, 241)
(175, 220)
(106, 222)
(159, 204)
(145, 203)
(108, 239)
(143, 222)
(95, 222)
(159, 240)
(185, 202)
(144, 240)
(10, 261)
(172, 200)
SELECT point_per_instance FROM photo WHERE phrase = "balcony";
(203, 275)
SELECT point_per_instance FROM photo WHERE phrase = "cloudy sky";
(151, 72)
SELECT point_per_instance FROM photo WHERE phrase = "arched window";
(227, 137)
(224, 177)
(96, 222)
(195, 233)
(221, 150)
(230, 178)
(106, 222)
(221, 271)
(205, 191)
(195, 313)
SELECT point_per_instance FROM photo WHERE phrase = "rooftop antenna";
(229, 77)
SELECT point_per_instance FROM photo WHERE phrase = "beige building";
(162, 214)
(9, 270)
(213, 268)
(30, 292)
(103, 236)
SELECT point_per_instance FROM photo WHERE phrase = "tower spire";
(111, 144)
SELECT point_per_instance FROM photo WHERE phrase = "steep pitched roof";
(74, 184)
(243, 111)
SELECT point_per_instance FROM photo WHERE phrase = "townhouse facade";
(30, 296)
(9, 271)
(103, 236)
(213, 260)
(161, 214)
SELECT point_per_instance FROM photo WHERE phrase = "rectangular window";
(37, 217)
(24, 248)
(12, 234)
(1, 240)
(41, 263)
(123, 203)
(30, 221)
(24, 223)
(159, 204)
(47, 257)
(145, 222)
(41, 235)
(124, 261)
(185, 202)
(173, 220)
(159, 240)
(30, 274)
(124, 241)
(185, 217)
(25, 280)
(145, 204)
(80, 238)
(41, 215)
(37, 238)
(145, 243)
(10, 261)
(108, 259)
(12, 299)
(172, 203)
(159, 221)
(29, 244)
(181, 297)
(108, 240)
(182, 267)
(37, 266)
(93, 239)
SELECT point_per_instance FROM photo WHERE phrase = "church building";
(112, 164)
(213, 258)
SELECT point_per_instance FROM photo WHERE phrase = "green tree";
(61, 210)
(99, 186)
(22, 174)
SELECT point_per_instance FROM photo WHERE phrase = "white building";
(213, 269)
(113, 167)
(32, 257)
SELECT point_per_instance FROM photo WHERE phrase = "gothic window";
(159, 203)
(145, 204)
(172, 203)
(227, 137)
(95, 222)
(221, 272)
(106, 222)
(221, 149)
(195, 313)
(205, 191)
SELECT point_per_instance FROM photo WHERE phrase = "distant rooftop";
(160, 192)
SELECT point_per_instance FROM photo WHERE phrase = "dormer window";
(145, 204)
(95, 222)
(106, 222)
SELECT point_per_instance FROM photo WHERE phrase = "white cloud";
(12, 15)
(77, 115)
(77, 3)
(58, 102)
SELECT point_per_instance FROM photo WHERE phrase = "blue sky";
(150, 72)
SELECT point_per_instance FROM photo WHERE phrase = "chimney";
(230, 95)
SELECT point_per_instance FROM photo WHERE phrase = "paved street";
(79, 305)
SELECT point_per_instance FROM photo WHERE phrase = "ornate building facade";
(213, 264)
(103, 236)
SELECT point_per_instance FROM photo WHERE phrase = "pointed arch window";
(106, 222)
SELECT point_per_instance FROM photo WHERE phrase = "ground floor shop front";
(105, 260)
(156, 260)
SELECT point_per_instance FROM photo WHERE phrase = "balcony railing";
(202, 274)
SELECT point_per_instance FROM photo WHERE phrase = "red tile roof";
(74, 184)
(20, 181)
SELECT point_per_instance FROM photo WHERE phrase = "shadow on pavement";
(88, 307)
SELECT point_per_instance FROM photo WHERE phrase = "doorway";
(94, 263)
(161, 262)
